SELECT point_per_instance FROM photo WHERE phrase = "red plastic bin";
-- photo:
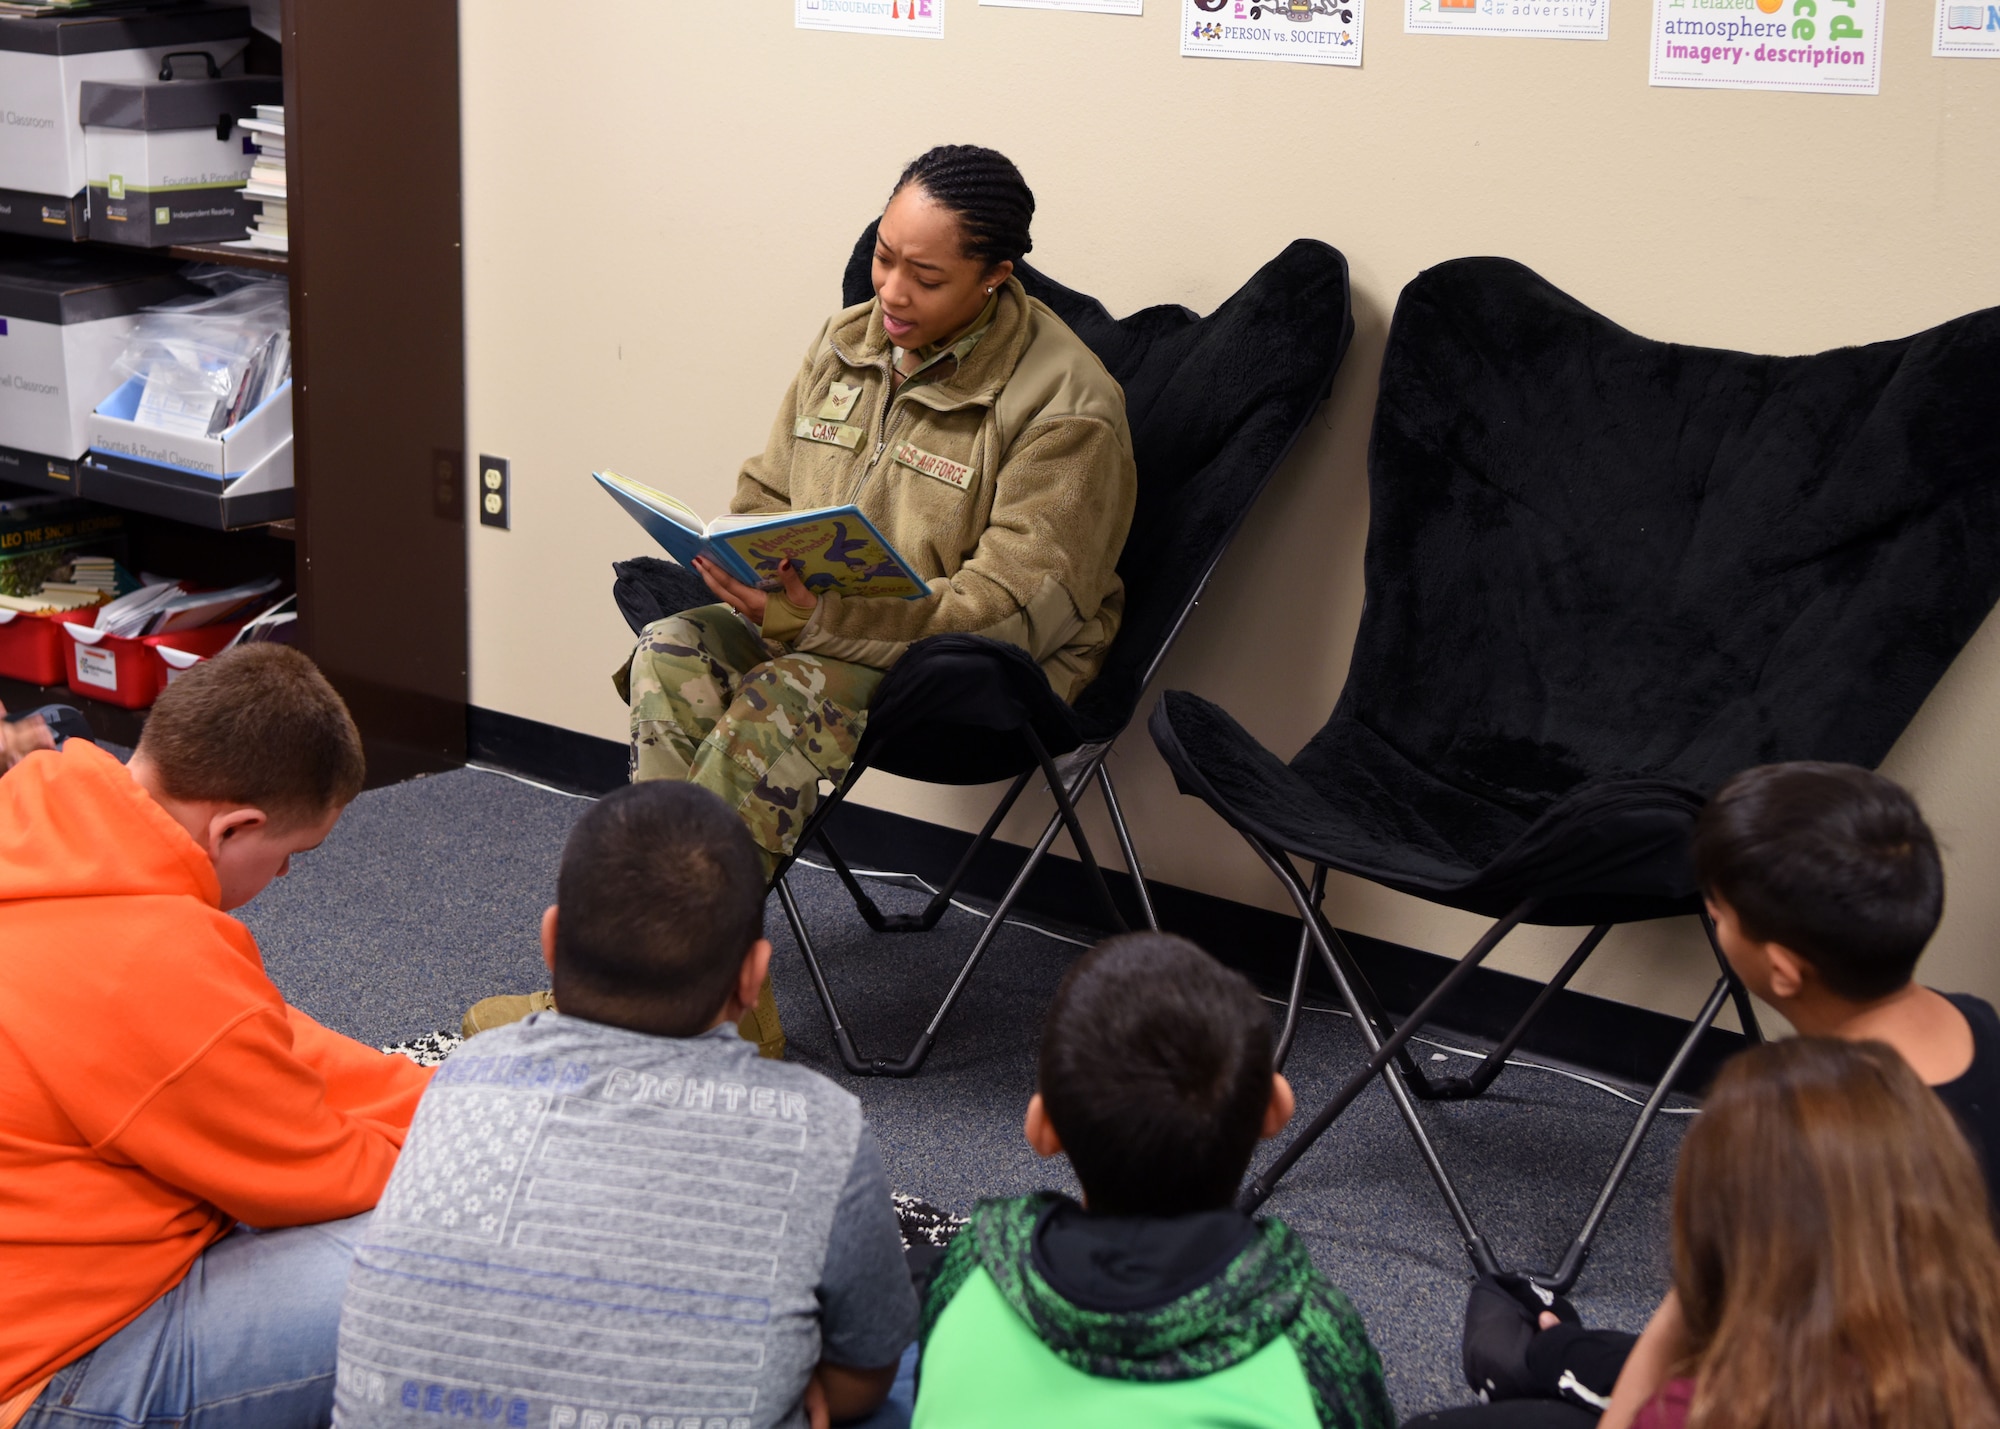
(32, 647)
(127, 671)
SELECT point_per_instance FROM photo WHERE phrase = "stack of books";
(85, 581)
(51, 599)
(40, 541)
(95, 573)
(61, 581)
(272, 230)
(168, 606)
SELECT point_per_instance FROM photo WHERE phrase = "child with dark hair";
(1153, 1300)
(618, 1214)
(1824, 884)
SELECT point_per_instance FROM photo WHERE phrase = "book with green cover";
(836, 548)
(39, 535)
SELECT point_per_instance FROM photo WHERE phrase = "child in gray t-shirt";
(617, 1216)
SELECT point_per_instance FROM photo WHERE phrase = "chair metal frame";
(1407, 1082)
(1068, 778)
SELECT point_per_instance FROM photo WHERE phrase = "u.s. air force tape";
(951, 473)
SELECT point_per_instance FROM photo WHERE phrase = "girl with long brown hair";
(1835, 1265)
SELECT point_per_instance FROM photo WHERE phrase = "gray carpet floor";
(428, 894)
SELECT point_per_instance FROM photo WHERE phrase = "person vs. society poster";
(1812, 46)
(918, 19)
(1323, 32)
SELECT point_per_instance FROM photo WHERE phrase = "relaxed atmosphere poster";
(1523, 19)
(1323, 32)
(1967, 31)
(919, 19)
(1810, 46)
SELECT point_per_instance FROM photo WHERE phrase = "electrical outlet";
(495, 501)
(447, 484)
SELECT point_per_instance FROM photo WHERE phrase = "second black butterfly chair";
(1214, 404)
(1604, 574)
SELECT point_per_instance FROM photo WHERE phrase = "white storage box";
(166, 161)
(43, 66)
(63, 323)
(240, 477)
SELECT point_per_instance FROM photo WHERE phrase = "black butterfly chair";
(1604, 574)
(1214, 404)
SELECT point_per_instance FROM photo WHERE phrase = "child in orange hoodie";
(157, 1096)
(21, 737)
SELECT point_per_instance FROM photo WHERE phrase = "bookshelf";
(231, 257)
(376, 544)
(372, 154)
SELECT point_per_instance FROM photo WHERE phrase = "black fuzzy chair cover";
(647, 589)
(1605, 573)
(1214, 404)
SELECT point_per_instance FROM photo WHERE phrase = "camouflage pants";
(769, 730)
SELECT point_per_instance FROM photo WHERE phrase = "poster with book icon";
(1322, 32)
(1970, 32)
(1521, 19)
(912, 19)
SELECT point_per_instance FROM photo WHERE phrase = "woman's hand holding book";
(748, 600)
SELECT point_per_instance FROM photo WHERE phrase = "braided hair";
(984, 190)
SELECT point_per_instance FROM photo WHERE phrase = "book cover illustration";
(835, 547)
(836, 551)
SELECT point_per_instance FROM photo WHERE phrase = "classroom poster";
(1321, 32)
(1530, 19)
(1102, 7)
(918, 19)
(1967, 31)
(1811, 46)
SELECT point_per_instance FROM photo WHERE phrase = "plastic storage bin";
(127, 671)
(32, 647)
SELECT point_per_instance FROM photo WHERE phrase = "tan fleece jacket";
(1005, 477)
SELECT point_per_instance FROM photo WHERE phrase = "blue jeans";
(895, 1410)
(245, 1341)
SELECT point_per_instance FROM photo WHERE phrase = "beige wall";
(659, 198)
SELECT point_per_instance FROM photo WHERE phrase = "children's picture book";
(836, 548)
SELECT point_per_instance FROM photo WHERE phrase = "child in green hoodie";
(1154, 1301)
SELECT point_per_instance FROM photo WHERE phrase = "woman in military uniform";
(983, 439)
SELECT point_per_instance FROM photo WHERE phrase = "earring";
(989, 292)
